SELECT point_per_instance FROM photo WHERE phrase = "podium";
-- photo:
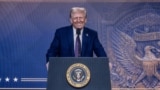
(99, 77)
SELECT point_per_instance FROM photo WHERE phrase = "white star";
(7, 79)
(15, 79)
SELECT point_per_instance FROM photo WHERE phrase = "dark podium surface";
(99, 70)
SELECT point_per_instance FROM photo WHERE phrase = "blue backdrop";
(27, 29)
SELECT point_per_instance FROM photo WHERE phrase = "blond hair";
(78, 9)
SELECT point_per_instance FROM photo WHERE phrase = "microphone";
(78, 31)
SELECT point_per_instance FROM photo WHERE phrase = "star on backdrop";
(7, 79)
(15, 79)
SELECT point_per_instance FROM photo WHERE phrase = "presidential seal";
(78, 75)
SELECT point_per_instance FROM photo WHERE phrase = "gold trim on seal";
(77, 69)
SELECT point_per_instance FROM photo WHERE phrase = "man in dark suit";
(64, 42)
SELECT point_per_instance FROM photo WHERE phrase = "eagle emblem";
(137, 67)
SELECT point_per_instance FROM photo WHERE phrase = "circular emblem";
(78, 75)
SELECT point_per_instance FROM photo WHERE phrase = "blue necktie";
(78, 45)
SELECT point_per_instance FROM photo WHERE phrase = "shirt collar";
(74, 31)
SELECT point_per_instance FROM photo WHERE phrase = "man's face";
(78, 19)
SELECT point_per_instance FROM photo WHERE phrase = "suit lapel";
(71, 40)
(84, 41)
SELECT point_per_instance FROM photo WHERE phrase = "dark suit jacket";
(63, 44)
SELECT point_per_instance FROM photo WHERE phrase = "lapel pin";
(87, 35)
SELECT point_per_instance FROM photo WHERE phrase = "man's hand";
(47, 65)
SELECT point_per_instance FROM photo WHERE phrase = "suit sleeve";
(98, 48)
(53, 51)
